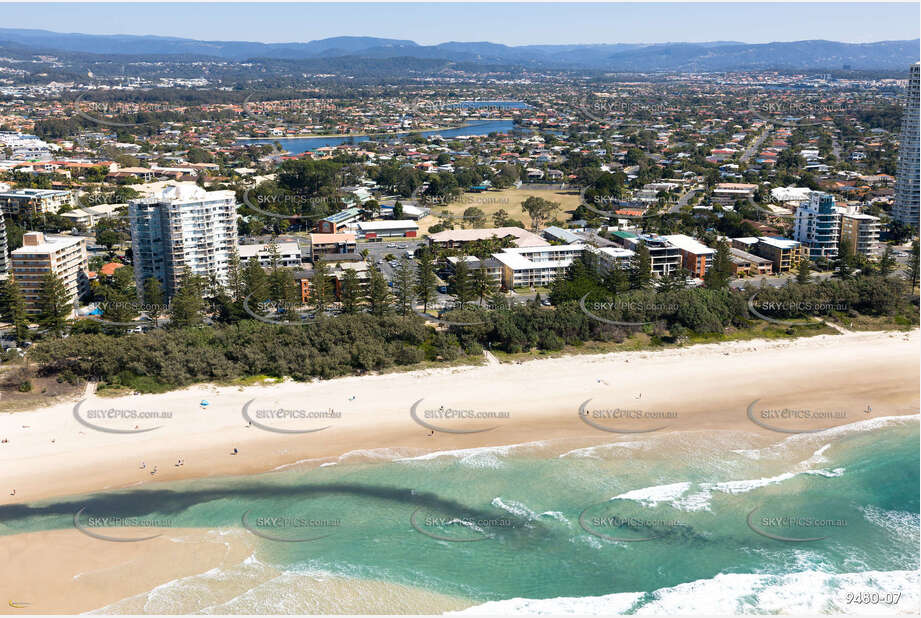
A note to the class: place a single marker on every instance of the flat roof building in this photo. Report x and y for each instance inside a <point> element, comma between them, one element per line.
<point>64,256</point>
<point>375,231</point>
<point>324,246</point>
<point>183,230</point>
<point>289,254</point>
<point>536,266</point>
<point>696,257</point>
<point>36,201</point>
<point>452,239</point>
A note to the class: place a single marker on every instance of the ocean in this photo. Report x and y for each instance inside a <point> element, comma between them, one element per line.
<point>693,522</point>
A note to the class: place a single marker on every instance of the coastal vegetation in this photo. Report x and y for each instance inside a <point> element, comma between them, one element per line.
<point>376,335</point>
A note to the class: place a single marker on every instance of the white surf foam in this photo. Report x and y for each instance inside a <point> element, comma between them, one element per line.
<point>807,592</point>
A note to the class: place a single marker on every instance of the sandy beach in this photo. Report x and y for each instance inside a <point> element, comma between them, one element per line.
<point>702,388</point>
<point>705,387</point>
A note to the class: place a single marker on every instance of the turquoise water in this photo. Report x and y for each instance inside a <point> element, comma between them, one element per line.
<point>397,516</point>
<point>297,146</point>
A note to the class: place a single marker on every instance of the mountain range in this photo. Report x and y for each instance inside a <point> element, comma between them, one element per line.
<point>712,56</point>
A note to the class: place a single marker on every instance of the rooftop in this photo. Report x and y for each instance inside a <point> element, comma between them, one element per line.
<point>691,245</point>
<point>523,238</point>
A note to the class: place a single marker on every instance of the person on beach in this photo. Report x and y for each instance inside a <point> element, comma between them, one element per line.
<point>235,451</point>
<point>12,492</point>
<point>143,465</point>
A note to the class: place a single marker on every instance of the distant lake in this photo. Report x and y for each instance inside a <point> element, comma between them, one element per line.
<point>495,104</point>
<point>299,145</point>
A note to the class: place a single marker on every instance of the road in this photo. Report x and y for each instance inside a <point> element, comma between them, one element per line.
<point>756,145</point>
<point>684,199</point>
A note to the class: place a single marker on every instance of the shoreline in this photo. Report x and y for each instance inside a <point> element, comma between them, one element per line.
<point>387,134</point>
<point>50,454</point>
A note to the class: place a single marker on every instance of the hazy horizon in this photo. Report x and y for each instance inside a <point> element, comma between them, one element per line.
<point>431,24</point>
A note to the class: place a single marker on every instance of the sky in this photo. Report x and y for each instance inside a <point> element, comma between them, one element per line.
<point>509,23</point>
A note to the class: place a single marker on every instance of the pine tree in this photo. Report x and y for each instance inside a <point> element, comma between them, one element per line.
<point>235,282</point>
<point>187,306</point>
<point>641,268</point>
<point>320,289</point>
<point>13,308</point>
<point>886,262</point>
<point>54,304</point>
<point>426,279</point>
<point>803,271</point>
<point>404,286</point>
<point>844,263</point>
<point>254,281</point>
<point>617,280</point>
<point>913,263</point>
<point>378,294</point>
<point>153,296</point>
<point>350,296</point>
<point>482,284</point>
<point>463,288</point>
<point>720,272</point>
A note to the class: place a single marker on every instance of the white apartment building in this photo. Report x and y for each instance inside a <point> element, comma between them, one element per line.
<point>64,256</point>
<point>818,225</point>
<point>609,258</point>
<point>907,182</point>
<point>861,231</point>
<point>536,266</point>
<point>289,254</point>
<point>89,216</point>
<point>184,229</point>
<point>36,201</point>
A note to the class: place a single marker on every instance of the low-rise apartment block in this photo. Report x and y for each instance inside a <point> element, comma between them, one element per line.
<point>64,256</point>
<point>860,231</point>
<point>726,194</point>
<point>749,264</point>
<point>289,254</point>
<point>664,256</point>
<point>784,254</point>
<point>36,201</point>
<point>536,266</point>
<point>696,257</point>
<point>89,216</point>
<point>324,246</point>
